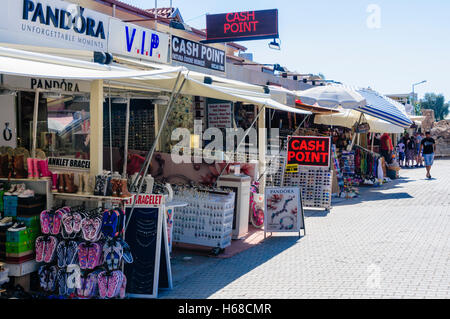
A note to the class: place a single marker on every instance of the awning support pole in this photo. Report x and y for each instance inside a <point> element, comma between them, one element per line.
<point>242,141</point>
<point>304,120</point>
<point>161,126</point>
<point>150,154</point>
<point>127,134</point>
<point>35,120</point>
<point>373,140</point>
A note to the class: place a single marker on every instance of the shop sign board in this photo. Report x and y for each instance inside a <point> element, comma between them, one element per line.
<point>308,151</point>
<point>194,53</point>
<point>53,23</point>
<point>242,26</point>
<point>147,237</point>
<point>220,115</point>
<point>134,41</point>
<point>57,85</point>
<point>68,164</point>
<point>283,210</point>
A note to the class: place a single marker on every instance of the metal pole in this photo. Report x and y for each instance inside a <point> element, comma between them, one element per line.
<point>373,140</point>
<point>354,137</point>
<point>150,154</point>
<point>127,133</point>
<point>156,141</point>
<point>35,120</point>
<point>110,129</point>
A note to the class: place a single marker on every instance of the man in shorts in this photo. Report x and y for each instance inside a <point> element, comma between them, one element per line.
<point>428,146</point>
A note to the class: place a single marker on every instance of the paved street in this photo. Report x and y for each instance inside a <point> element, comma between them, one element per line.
<point>392,242</point>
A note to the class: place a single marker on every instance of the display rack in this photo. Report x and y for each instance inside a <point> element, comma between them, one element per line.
<point>205,221</point>
<point>315,183</point>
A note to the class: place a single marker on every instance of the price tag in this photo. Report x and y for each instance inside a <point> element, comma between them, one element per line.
<point>292,168</point>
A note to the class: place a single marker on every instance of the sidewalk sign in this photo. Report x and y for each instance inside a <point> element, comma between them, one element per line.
<point>147,238</point>
<point>283,210</point>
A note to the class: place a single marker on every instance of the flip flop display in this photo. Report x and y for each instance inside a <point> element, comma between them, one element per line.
<point>83,252</point>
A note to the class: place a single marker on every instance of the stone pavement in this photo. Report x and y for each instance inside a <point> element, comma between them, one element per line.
<point>392,242</point>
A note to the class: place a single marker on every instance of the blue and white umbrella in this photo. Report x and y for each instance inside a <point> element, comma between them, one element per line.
<point>383,108</point>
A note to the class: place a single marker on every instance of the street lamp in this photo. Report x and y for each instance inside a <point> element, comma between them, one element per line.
<point>414,95</point>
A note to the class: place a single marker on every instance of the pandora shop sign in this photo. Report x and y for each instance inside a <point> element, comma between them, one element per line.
<point>53,23</point>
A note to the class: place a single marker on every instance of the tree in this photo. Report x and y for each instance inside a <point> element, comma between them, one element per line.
<point>436,102</point>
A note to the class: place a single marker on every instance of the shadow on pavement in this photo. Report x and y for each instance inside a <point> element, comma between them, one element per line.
<point>199,280</point>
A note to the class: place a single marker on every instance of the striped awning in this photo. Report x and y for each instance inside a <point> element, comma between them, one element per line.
<point>383,108</point>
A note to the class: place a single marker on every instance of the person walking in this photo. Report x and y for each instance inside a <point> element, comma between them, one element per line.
<point>401,152</point>
<point>410,151</point>
<point>419,154</point>
<point>428,147</point>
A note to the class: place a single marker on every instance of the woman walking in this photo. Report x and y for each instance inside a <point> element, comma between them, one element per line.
<point>410,151</point>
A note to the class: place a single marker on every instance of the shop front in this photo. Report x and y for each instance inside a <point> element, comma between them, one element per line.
<point>89,185</point>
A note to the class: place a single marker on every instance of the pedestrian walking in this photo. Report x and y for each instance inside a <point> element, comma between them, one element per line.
<point>410,151</point>
<point>419,139</point>
<point>401,152</point>
<point>428,147</point>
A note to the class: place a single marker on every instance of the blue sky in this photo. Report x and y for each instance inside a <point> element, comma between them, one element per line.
<point>332,37</point>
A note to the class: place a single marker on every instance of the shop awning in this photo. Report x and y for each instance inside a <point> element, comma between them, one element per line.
<point>348,118</point>
<point>383,108</point>
<point>160,77</point>
<point>24,63</point>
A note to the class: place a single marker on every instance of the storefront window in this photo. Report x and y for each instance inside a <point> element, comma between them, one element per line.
<point>63,128</point>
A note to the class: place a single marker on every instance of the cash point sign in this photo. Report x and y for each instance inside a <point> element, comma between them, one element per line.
<point>197,54</point>
<point>242,26</point>
<point>309,151</point>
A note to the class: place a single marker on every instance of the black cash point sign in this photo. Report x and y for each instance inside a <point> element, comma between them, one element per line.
<point>194,53</point>
<point>309,151</point>
<point>242,26</point>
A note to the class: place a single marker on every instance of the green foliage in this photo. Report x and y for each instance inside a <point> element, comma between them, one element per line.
<point>437,103</point>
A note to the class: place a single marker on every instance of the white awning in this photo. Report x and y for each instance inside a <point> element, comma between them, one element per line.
<point>348,118</point>
<point>22,63</point>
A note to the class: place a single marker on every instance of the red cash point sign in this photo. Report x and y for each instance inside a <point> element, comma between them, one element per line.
<point>309,151</point>
<point>242,26</point>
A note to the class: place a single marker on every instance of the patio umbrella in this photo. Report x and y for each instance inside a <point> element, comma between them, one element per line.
<point>384,108</point>
<point>333,96</point>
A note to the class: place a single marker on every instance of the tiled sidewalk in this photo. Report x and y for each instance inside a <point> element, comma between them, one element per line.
<point>392,242</point>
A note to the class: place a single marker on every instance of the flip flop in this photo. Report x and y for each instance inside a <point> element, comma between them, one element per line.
<point>61,253</point>
<point>40,243</point>
<point>45,222</point>
<point>102,284</point>
<point>76,222</point>
<point>50,249</point>
<point>114,284</point>
<point>127,256</point>
<point>107,253</point>
<point>83,256</point>
<point>123,288</point>
<point>117,255</point>
<point>61,278</point>
<point>73,278</point>
<point>57,221</point>
<point>72,253</point>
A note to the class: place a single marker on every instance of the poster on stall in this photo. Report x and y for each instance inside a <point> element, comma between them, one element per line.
<point>220,115</point>
<point>147,237</point>
<point>283,210</point>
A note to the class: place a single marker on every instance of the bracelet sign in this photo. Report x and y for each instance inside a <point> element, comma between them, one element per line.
<point>308,151</point>
<point>284,210</point>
